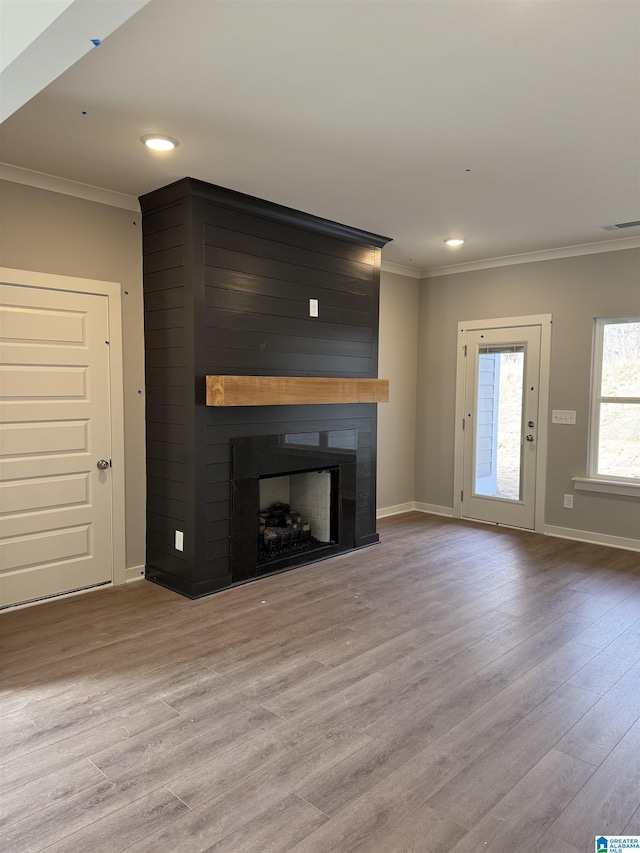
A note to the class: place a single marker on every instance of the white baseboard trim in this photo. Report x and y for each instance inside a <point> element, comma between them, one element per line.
<point>434,509</point>
<point>414,506</point>
<point>593,538</point>
<point>547,530</point>
<point>135,573</point>
<point>398,509</point>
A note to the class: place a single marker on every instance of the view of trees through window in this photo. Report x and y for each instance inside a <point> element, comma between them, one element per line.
<point>618,450</point>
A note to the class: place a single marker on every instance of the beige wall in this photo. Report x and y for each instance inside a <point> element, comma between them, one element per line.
<point>574,291</point>
<point>398,362</point>
<point>53,233</point>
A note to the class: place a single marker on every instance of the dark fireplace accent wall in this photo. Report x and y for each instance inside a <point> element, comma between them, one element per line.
<point>227,283</point>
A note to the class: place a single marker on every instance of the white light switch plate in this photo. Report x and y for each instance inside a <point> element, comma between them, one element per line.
<point>179,540</point>
<point>563,416</point>
<point>313,307</point>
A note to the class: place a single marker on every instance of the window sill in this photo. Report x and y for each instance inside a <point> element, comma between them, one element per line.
<point>611,487</point>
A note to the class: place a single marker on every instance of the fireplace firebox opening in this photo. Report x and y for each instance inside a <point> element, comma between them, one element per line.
<point>298,513</point>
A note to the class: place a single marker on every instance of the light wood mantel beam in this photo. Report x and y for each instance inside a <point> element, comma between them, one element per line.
<point>293,390</point>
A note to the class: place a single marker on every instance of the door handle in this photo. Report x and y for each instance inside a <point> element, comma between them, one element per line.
<point>102,464</point>
<point>529,438</point>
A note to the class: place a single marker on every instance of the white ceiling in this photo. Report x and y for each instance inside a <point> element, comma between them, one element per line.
<point>368,113</point>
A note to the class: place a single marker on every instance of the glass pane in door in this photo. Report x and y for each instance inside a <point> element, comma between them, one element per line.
<point>498,450</point>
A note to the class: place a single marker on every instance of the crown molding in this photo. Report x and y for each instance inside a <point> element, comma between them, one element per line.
<point>401,269</point>
<point>40,180</point>
<point>542,255</point>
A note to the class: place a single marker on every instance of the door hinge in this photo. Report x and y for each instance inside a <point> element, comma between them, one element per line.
<point>463,422</point>
<point>465,350</point>
<point>461,495</point>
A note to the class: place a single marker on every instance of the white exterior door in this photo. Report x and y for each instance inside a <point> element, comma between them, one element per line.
<point>501,408</point>
<point>55,432</point>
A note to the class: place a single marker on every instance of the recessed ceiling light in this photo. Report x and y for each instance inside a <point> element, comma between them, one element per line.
<point>159,142</point>
<point>454,241</point>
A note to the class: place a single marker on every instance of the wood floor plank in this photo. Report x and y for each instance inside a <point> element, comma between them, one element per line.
<point>57,754</point>
<point>379,824</point>
<point>601,603</point>
<point>411,650</point>
<point>339,678</point>
<point>292,741</point>
<point>608,627</point>
<point>472,692</point>
<point>228,809</point>
<point>86,821</point>
<point>606,668</point>
<point>332,790</point>
<point>255,680</point>
<point>538,618</point>
<point>538,599</point>
<point>418,831</point>
<point>548,842</point>
<point>633,827</point>
<point>48,790</point>
<point>79,709</point>
<point>18,691</point>
<point>609,799</point>
<point>470,794</point>
<point>374,703</point>
<point>605,582</point>
<point>597,733</point>
<point>14,727</point>
<point>276,830</point>
<point>530,807</point>
<point>216,727</point>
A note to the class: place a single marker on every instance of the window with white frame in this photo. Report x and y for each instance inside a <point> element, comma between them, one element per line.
<point>614,452</point>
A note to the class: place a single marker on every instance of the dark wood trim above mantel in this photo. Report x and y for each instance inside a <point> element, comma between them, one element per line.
<point>293,390</point>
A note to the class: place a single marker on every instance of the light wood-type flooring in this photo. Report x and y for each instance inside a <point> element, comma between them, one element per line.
<point>458,688</point>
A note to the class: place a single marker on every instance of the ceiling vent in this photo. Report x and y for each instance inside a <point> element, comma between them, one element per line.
<point>619,225</point>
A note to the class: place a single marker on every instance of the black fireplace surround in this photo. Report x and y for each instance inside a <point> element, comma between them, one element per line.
<point>262,456</point>
<point>227,284</point>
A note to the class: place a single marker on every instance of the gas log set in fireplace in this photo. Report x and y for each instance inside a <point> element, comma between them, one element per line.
<point>282,529</point>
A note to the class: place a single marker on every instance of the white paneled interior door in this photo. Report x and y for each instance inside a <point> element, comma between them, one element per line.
<point>55,437</point>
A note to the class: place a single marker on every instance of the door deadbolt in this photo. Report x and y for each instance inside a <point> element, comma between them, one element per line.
<point>102,464</point>
<point>531,424</point>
